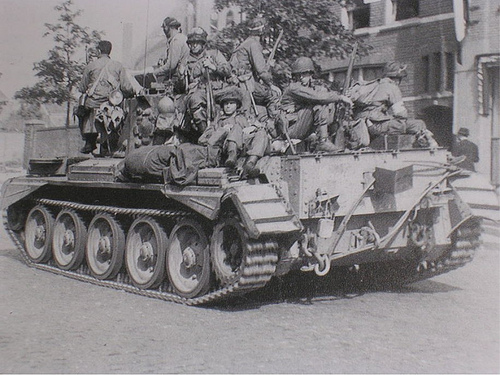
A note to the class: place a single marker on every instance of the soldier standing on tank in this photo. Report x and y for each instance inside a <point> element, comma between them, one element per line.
<point>251,72</point>
<point>380,104</point>
<point>306,108</point>
<point>101,77</point>
<point>206,71</point>
<point>234,135</point>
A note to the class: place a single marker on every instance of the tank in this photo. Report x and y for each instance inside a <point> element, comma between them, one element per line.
<point>390,211</point>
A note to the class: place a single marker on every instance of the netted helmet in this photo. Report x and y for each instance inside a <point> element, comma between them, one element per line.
<point>230,93</point>
<point>197,34</point>
<point>302,65</point>
<point>256,26</point>
<point>395,70</point>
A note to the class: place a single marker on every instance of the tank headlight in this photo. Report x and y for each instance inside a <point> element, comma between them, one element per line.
<point>116,97</point>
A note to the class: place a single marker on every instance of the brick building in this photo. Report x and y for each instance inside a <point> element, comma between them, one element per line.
<point>452,51</point>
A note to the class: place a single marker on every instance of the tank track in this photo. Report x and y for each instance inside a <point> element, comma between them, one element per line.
<point>258,265</point>
<point>465,242</point>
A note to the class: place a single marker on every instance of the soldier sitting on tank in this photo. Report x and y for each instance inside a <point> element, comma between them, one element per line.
<point>380,104</point>
<point>308,109</point>
<point>100,78</point>
<point>234,135</point>
<point>251,72</point>
<point>204,74</point>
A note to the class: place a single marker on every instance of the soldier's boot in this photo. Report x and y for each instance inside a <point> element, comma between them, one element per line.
<point>232,155</point>
<point>250,169</point>
<point>90,143</point>
<point>326,145</point>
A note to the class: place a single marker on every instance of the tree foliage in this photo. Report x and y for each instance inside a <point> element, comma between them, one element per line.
<point>310,28</point>
<point>60,72</point>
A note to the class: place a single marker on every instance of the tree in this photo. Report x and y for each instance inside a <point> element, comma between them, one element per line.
<point>310,28</point>
<point>61,71</point>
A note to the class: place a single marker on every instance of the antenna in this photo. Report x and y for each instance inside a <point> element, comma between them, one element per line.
<point>146,46</point>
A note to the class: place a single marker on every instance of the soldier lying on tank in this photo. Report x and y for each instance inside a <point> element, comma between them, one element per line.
<point>179,164</point>
<point>234,135</point>
<point>380,104</point>
<point>205,72</point>
<point>307,108</point>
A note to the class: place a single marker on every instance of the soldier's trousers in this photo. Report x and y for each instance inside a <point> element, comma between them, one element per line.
<point>397,126</point>
<point>306,120</point>
<point>253,144</point>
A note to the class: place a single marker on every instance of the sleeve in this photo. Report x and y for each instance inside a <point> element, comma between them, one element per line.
<point>259,63</point>
<point>476,154</point>
<point>126,85</point>
<point>395,102</point>
<point>308,95</point>
<point>223,66</point>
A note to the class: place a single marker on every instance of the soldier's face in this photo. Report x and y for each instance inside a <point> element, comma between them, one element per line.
<point>305,78</point>
<point>230,107</point>
<point>166,31</point>
<point>196,47</point>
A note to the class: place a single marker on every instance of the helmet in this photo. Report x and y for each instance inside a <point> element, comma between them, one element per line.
<point>166,105</point>
<point>197,34</point>
<point>256,26</point>
<point>302,64</point>
<point>395,70</point>
<point>230,93</point>
<point>170,22</point>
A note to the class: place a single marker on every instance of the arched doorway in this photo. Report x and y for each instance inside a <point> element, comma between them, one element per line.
<point>439,120</point>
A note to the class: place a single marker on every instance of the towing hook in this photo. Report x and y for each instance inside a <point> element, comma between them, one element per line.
<point>323,266</point>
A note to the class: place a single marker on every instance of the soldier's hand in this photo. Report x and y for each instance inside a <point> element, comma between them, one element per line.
<point>208,63</point>
<point>346,99</point>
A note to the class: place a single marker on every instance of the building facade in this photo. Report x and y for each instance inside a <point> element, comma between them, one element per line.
<point>451,48</point>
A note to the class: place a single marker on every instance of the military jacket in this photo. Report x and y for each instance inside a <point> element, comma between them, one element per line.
<point>248,58</point>
<point>196,71</point>
<point>378,100</point>
<point>176,56</point>
<point>114,77</point>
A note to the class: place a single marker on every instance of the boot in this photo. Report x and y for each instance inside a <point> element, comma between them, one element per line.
<point>326,145</point>
<point>249,169</point>
<point>90,143</point>
<point>232,155</point>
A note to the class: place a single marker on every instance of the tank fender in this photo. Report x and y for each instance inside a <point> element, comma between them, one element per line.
<point>263,210</point>
<point>15,189</point>
<point>202,200</point>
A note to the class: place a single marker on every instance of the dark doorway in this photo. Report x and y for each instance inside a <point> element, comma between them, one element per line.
<point>439,120</point>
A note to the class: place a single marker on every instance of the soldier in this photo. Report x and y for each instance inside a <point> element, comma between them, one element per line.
<point>203,65</point>
<point>380,104</point>
<point>306,108</point>
<point>250,69</point>
<point>175,56</point>
<point>100,78</point>
<point>233,134</point>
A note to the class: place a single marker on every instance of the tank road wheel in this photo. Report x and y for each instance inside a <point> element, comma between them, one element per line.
<point>227,246</point>
<point>145,253</point>
<point>68,240</point>
<point>105,244</point>
<point>188,260</point>
<point>38,234</point>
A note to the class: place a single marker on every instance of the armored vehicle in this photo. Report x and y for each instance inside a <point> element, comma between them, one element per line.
<point>390,208</point>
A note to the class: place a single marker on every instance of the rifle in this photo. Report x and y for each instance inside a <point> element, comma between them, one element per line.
<point>341,108</point>
<point>275,47</point>
<point>210,99</point>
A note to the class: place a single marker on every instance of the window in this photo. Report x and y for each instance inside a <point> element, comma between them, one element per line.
<point>404,9</point>
<point>359,15</point>
<point>367,73</point>
<point>439,72</point>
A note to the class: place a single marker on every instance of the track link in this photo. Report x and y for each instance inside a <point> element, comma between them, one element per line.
<point>258,266</point>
